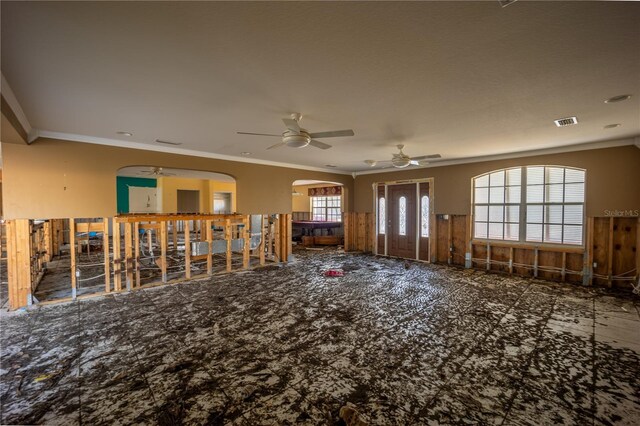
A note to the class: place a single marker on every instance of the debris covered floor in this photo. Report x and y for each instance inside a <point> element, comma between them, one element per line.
<point>406,343</point>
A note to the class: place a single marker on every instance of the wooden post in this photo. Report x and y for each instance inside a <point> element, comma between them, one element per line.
<point>128,256</point>
<point>469,245</point>
<point>163,249</point>
<point>610,254</point>
<point>262,242</point>
<point>227,237</point>
<point>117,265</point>
<point>107,258</point>
<point>347,232</point>
<point>48,241</point>
<point>136,251</point>
<point>72,251</point>
<point>209,236</point>
<point>247,241</point>
<point>288,228</point>
<point>187,249</point>
<point>18,263</point>
<point>535,262</point>
<point>564,266</point>
<point>150,240</point>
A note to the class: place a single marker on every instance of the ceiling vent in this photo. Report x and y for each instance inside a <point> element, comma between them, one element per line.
<point>564,122</point>
<point>168,142</point>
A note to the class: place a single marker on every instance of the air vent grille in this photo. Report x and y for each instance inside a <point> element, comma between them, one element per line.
<point>563,122</point>
<point>168,142</point>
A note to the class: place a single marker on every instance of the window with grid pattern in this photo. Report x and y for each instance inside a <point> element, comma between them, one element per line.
<point>535,204</point>
<point>555,205</point>
<point>497,199</point>
<point>326,209</point>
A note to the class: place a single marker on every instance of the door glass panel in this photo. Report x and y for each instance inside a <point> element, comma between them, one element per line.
<point>402,216</point>
<point>381,215</point>
<point>424,216</point>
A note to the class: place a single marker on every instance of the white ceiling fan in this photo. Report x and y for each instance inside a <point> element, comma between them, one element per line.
<point>297,137</point>
<point>402,160</point>
<point>156,171</point>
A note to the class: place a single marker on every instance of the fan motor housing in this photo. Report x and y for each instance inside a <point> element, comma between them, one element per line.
<point>296,140</point>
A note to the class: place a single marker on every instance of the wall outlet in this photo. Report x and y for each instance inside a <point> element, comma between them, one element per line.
<point>595,265</point>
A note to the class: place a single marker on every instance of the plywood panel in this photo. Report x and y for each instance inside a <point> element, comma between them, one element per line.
<point>523,256</point>
<point>574,266</point>
<point>458,238</point>
<point>500,254</point>
<point>624,249</point>
<point>600,249</point>
<point>547,259</point>
<point>442,238</point>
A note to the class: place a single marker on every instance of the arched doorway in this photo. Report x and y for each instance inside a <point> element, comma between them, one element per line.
<point>317,213</point>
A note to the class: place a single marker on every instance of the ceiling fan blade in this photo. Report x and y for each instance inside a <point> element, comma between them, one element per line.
<point>332,134</point>
<point>278,145</point>
<point>291,124</point>
<point>257,134</point>
<point>426,157</point>
<point>319,144</point>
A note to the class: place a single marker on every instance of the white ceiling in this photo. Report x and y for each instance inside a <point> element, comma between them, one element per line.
<point>144,171</point>
<point>462,79</point>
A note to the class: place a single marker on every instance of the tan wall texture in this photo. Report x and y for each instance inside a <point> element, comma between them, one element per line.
<point>613,180</point>
<point>168,189</point>
<point>302,203</point>
<point>56,179</point>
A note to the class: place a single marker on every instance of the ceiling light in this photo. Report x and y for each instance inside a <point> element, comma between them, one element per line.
<point>245,153</point>
<point>567,121</point>
<point>612,126</point>
<point>618,98</point>
<point>168,142</point>
<point>125,133</point>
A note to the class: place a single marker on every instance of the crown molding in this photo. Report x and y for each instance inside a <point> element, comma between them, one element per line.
<point>180,151</point>
<point>545,151</point>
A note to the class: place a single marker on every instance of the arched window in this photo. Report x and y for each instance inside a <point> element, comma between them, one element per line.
<point>402,216</point>
<point>535,204</point>
<point>424,216</point>
<point>381,215</point>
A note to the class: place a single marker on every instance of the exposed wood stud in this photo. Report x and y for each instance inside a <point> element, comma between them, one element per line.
<point>136,252</point>
<point>510,260</point>
<point>246,234</point>
<point>488,257</point>
<point>564,266</point>
<point>535,262</point>
<point>106,251</point>
<point>117,278</point>
<point>209,236</point>
<point>163,250</point>
<point>72,251</point>
<point>187,249</point>
<point>261,247</point>
<point>128,256</point>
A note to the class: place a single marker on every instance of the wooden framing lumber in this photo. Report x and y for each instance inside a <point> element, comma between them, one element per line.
<point>72,251</point>
<point>187,249</point>
<point>246,234</point>
<point>163,250</point>
<point>209,236</point>
<point>136,252</point>
<point>107,257</point>
<point>128,256</point>
<point>261,247</point>
<point>117,265</point>
<point>610,254</point>
<point>227,237</point>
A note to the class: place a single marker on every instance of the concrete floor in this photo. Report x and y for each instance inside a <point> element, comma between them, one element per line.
<point>407,343</point>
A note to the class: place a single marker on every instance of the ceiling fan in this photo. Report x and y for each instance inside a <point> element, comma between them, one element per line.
<point>297,137</point>
<point>402,160</point>
<point>156,171</point>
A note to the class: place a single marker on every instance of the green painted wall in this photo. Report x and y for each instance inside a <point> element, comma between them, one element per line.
<point>123,183</point>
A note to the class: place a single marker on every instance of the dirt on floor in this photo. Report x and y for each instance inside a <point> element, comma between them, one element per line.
<point>404,342</point>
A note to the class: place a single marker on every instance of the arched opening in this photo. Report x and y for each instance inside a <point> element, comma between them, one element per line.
<point>317,213</point>
<point>152,189</point>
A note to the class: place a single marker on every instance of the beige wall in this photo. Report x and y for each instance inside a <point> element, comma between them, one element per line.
<point>613,180</point>
<point>56,179</point>
<point>302,203</point>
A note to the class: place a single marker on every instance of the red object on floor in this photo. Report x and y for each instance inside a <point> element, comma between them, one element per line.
<point>334,273</point>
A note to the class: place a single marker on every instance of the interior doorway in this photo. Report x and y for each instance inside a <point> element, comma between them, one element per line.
<point>188,201</point>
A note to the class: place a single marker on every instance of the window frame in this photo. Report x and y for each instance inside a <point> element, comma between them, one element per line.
<point>524,204</point>
<point>324,214</point>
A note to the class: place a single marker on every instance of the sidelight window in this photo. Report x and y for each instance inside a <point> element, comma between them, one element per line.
<point>424,216</point>
<point>381,215</point>
<point>402,216</point>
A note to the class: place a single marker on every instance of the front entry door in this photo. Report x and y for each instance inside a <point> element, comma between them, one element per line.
<point>401,222</point>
